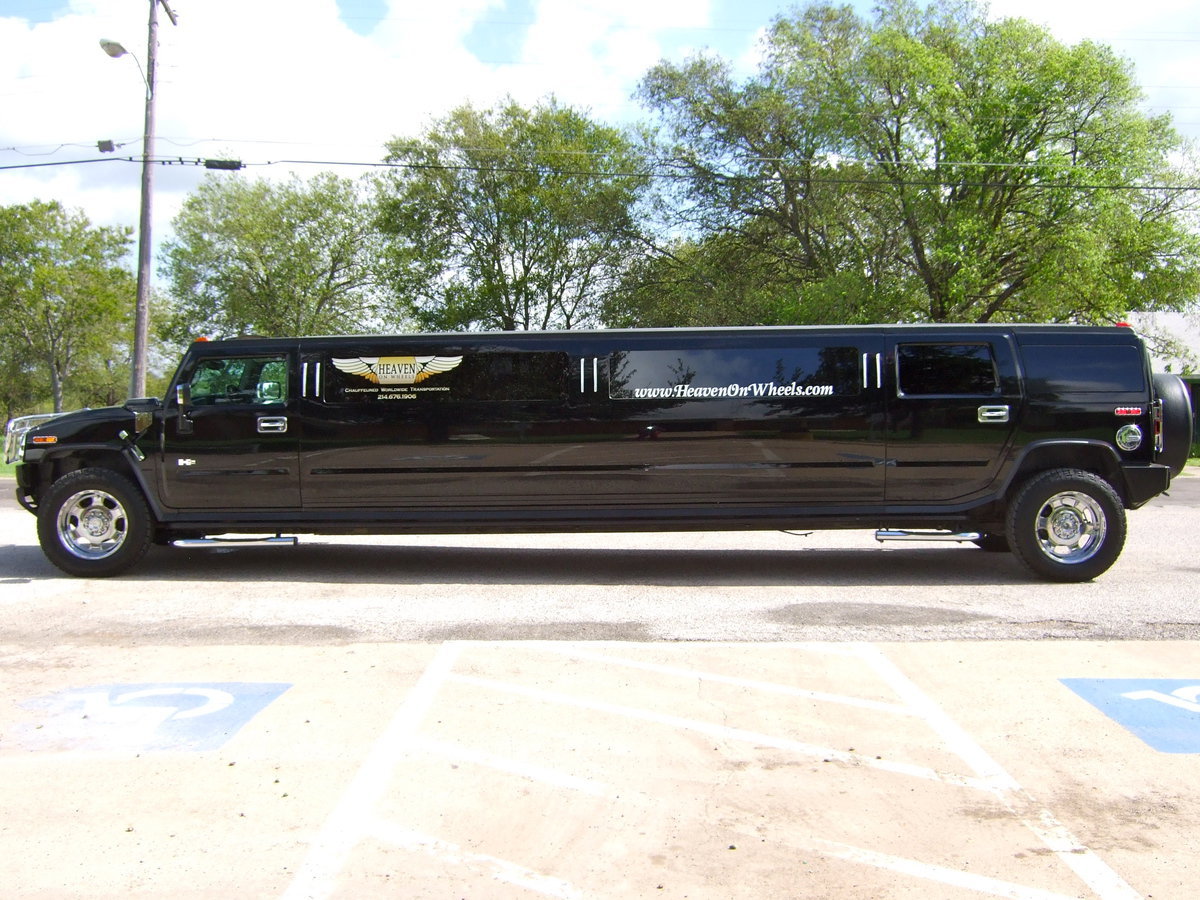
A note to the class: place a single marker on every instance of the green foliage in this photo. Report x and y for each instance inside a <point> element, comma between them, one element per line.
<point>930,165</point>
<point>254,257</point>
<point>924,164</point>
<point>66,304</point>
<point>509,218</point>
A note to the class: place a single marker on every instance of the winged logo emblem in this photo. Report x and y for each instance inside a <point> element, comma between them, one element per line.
<point>396,369</point>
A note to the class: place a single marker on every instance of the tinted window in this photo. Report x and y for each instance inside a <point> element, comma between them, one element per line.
<point>446,375</point>
<point>752,373</point>
<point>1067,368</point>
<point>946,369</point>
<point>243,379</point>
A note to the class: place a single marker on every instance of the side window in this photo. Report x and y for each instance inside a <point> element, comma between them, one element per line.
<point>240,379</point>
<point>748,373</point>
<point>451,375</point>
<point>946,369</point>
<point>513,376</point>
<point>1055,369</point>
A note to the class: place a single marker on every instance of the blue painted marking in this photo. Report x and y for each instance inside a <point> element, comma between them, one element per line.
<point>154,716</point>
<point>1165,713</point>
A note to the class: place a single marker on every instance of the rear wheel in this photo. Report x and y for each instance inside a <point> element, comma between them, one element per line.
<point>94,522</point>
<point>1067,525</point>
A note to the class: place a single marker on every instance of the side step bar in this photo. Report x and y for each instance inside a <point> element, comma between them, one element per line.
<point>277,541</point>
<point>896,534</point>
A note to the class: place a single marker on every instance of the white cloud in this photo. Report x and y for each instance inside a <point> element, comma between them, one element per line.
<point>264,80</point>
<point>288,79</point>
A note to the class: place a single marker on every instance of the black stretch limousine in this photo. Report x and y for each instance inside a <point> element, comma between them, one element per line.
<point>1033,439</point>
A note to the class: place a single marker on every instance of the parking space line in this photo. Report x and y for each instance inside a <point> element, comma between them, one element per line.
<point>343,830</point>
<point>695,675</point>
<point>500,869</point>
<point>513,767</point>
<point>723,732</point>
<point>1094,872</point>
<point>951,733</point>
<point>354,818</point>
<point>981,884</point>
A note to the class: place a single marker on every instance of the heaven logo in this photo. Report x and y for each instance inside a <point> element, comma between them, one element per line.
<point>397,369</point>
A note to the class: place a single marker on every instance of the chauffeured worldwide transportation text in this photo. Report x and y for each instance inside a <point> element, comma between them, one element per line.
<point>1026,438</point>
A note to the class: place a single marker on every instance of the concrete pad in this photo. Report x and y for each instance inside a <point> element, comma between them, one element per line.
<point>566,769</point>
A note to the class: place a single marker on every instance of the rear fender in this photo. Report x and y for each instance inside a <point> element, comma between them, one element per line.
<point>1091,456</point>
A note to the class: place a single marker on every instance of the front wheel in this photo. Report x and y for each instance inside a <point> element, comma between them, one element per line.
<point>1067,525</point>
<point>94,522</point>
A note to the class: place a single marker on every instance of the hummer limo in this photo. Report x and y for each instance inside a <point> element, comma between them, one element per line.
<point>1028,438</point>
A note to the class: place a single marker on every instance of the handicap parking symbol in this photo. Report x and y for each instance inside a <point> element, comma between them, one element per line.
<point>1165,713</point>
<point>137,717</point>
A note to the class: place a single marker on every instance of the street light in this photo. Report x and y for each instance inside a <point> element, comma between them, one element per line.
<point>141,317</point>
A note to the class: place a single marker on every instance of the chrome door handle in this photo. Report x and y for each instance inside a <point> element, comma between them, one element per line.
<point>993,414</point>
<point>272,424</point>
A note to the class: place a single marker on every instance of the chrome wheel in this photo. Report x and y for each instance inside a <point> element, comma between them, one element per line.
<point>92,524</point>
<point>1071,527</point>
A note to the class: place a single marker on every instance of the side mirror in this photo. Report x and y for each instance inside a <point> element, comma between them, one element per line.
<point>183,398</point>
<point>270,391</point>
<point>143,410</point>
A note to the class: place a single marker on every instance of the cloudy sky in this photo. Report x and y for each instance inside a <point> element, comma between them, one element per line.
<point>274,80</point>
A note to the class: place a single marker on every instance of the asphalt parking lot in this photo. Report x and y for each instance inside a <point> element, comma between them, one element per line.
<point>197,729</point>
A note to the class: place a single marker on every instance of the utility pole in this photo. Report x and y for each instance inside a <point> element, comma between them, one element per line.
<point>141,316</point>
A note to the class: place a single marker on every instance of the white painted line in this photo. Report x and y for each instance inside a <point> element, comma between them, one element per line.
<point>500,869</point>
<point>695,675</point>
<point>1094,872</point>
<point>951,733</point>
<point>981,884</point>
<point>513,767</point>
<point>549,457</point>
<point>343,830</point>
<point>766,451</point>
<point>722,732</point>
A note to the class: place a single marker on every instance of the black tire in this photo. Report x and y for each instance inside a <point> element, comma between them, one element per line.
<point>1066,525</point>
<point>94,523</point>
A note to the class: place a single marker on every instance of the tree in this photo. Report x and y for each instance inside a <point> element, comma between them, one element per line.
<point>253,257</point>
<point>932,165</point>
<point>65,297</point>
<point>18,380</point>
<point>509,218</point>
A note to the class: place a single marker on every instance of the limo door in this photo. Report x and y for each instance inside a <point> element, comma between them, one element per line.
<point>951,409</point>
<point>425,429</point>
<point>235,442</point>
<point>786,421</point>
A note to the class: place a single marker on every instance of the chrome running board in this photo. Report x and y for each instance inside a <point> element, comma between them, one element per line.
<point>896,534</point>
<point>277,541</point>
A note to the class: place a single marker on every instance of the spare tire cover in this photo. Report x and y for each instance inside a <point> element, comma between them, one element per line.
<point>1177,420</point>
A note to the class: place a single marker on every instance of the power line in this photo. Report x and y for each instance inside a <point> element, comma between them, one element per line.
<point>859,181</point>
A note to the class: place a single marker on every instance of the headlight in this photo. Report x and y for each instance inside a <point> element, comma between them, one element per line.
<point>14,435</point>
